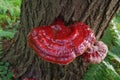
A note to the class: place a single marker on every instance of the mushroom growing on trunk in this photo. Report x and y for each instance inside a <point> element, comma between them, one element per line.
<point>96,53</point>
<point>61,44</point>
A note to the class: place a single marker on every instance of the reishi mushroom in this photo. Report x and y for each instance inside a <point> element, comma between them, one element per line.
<point>96,53</point>
<point>61,44</point>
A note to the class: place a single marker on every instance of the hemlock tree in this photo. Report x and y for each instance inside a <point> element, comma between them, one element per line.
<point>95,13</point>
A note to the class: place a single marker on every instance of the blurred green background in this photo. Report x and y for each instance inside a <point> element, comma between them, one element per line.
<point>9,22</point>
<point>109,69</point>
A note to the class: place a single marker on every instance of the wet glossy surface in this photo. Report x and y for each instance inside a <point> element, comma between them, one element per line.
<point>61,44</point>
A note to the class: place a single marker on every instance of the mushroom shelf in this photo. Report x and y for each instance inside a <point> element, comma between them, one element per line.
<point>61,44</point>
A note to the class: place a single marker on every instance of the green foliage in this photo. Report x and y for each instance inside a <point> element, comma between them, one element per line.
<point>117,18</point>
<point>108,37</point>
<point>9,11</point>
<point>5,74</point>
<point>102,71</point>
<point>6,34</point>
<point>9,20</point>
<point>110,68</point>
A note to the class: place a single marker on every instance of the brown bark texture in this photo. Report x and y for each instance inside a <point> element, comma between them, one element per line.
<point>95,13</point>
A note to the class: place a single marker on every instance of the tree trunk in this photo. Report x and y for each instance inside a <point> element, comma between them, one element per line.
<point>25,63</point>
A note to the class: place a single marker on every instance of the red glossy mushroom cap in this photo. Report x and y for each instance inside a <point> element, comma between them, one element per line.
<point>60,44</point>
<point>96,53</point>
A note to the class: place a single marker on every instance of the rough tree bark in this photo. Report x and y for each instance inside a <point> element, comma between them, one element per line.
<point>96,13</point>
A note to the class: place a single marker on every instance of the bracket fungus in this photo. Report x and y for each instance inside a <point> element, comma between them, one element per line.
<point>96,53</point>
<point>61,44</point>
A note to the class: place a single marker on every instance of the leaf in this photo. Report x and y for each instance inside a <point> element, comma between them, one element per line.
<point>110,67</point>
<point>117,18</point>
<point>6,34</point>
<point>114,56</point>
<point>102,71</point>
